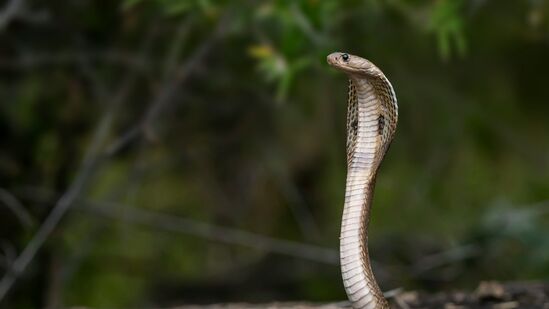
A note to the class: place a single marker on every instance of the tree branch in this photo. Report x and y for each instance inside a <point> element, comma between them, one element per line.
<point>90,163</point>
<point>211,232</point>
<point>172,223</point>
<point>173,82</point>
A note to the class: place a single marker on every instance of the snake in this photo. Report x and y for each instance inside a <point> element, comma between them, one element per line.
<point>372,114</point>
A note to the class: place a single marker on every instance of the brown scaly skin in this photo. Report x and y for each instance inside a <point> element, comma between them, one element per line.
<point>371,124</point>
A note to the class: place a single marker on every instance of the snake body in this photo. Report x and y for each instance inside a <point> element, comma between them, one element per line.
<point>371,124</point>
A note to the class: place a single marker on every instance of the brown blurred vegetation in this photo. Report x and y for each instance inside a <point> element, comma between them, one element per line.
<point>157,153</point>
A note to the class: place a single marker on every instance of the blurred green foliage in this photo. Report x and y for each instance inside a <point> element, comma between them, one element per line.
<point>250,135</point>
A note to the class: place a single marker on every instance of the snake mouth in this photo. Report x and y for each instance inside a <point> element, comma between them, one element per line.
<point>335,59</point>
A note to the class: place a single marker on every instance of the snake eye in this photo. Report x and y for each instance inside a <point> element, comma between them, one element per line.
<point>345,57</point>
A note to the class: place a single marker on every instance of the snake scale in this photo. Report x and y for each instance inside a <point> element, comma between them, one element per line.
<point>371,124</point>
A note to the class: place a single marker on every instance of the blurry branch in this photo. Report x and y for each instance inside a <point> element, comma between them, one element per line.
<point>183,71</point>
<point>91,162</point>
<point>124,139</point>
<point>172,83</point>
<point>16,207</point>
<point>160,221</point>
<point>32,60</point>
<point>73,261</point>
<point>177,44</point>
<point>504,220</point>
<point>298,206</point>
<point>63,204</point>
<point>172,223</point>
<point>447,257</point>
<point>94,154</point>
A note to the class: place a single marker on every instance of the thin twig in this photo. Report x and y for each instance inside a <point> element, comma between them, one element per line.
<point>445,257</point>
<point>83,177</point>
<point>297,204</point>
<point>61,207</point>
<point>94,155</point>
<point>172,223</point>
<point>173,52</point>
<point>183,71</point>
<point>112,57</point>
<point>227,235</point>
<point>92,159</point>
<point>73,261</point>
<point>173,82</point>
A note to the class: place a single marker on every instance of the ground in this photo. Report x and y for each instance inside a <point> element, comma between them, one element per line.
<point>489,294</point>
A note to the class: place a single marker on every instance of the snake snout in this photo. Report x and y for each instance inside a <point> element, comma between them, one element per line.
<point>333,58</point>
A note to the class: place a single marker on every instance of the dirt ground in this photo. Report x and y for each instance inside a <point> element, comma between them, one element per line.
<point>489,294</point>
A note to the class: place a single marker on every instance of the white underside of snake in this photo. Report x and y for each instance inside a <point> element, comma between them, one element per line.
<point>371,123</point>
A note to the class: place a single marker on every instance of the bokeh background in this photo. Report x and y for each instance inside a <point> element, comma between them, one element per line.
<point>160,153</point>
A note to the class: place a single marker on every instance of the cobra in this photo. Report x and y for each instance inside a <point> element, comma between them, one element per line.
<point>371,124</point>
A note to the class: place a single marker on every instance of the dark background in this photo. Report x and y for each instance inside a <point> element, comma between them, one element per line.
<point>158,153</point>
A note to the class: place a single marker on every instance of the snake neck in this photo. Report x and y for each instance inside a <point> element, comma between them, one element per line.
<point>371,122</point>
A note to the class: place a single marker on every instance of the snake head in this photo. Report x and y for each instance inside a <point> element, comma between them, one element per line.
<point>351,64</point>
